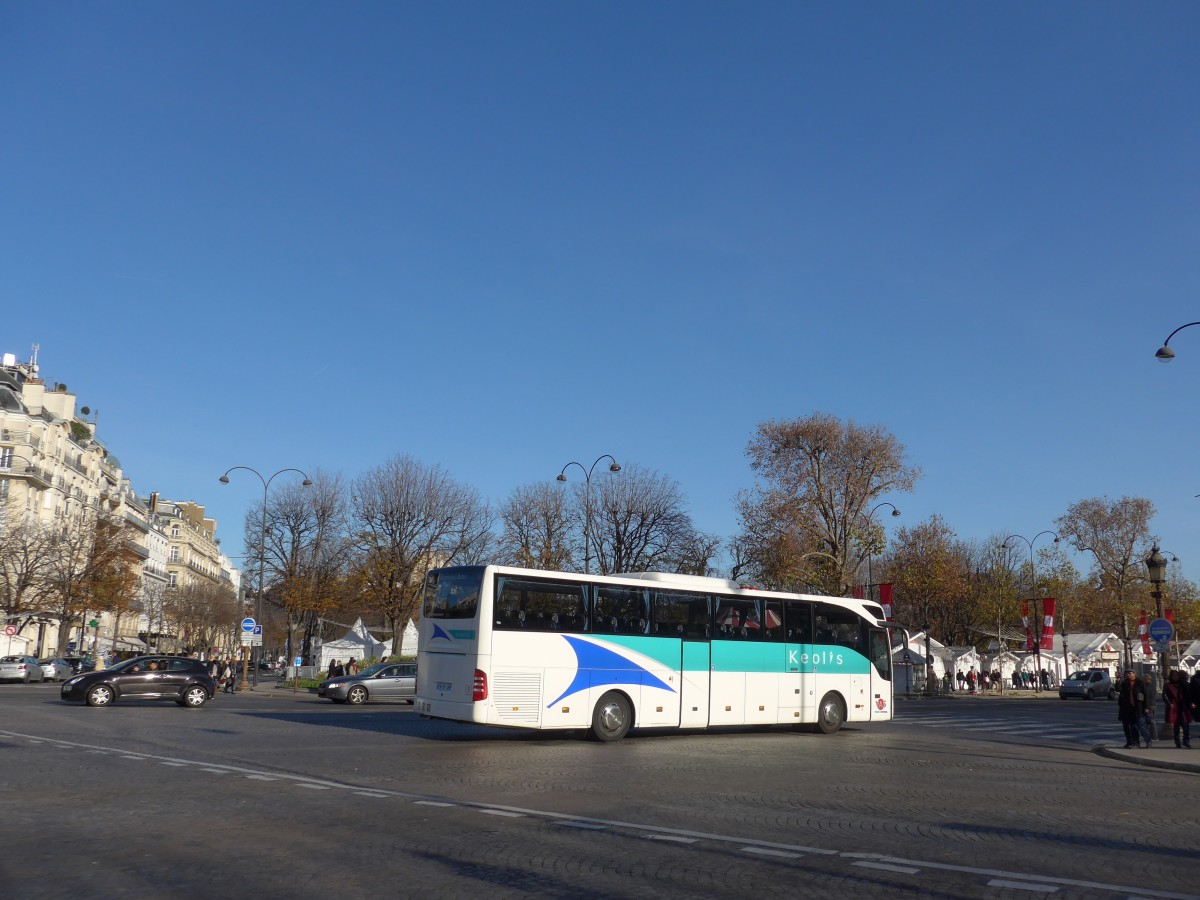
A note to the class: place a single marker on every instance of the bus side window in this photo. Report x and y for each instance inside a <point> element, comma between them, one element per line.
<point>679,614</point>
<point>840,626</point>
<point>541,605</point>
<point>773,621</point>
<point>619,610</point>
<point>737,620</point>
<point>798,620</point>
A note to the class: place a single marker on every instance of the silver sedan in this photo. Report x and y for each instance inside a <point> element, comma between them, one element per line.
<point>20,668</point>
<point>384,681</point>
<point>56,669</point>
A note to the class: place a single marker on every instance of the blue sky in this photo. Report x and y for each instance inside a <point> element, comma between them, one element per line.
<point>501,237</point>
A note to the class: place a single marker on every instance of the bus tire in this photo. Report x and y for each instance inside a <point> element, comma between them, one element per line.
<point>612,718</point>
<point>830,714</point>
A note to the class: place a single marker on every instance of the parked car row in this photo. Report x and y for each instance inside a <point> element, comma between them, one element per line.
<point>21,668</point>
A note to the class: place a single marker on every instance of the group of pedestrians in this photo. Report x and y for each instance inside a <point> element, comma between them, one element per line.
<point>1135,708</point>
<point>225,673</point>
<point>971,681</point>
<point>337,670</point>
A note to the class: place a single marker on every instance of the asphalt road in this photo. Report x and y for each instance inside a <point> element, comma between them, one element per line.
<point>282,795</point>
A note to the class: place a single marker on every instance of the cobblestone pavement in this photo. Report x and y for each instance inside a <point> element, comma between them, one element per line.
<point>287,796</point>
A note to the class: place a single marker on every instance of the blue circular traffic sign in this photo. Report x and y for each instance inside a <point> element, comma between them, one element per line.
<point>1161,631</point>
<point>248,625</point>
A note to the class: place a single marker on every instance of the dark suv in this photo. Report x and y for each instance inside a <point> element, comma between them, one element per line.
<point>186,681</point>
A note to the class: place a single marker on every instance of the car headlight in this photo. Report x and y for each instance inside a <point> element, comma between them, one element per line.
<point>71,681</point>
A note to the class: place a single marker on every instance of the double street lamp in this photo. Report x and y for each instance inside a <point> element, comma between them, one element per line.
<point>1037,637</point>
<point>587,501</point>
<point>262,558</point>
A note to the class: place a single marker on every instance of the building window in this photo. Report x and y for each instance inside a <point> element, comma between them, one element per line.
<point>6,457</point>
<point>174,531</point>
<point>171,576</point>
<point>174,557</point>
<point>4,489</point>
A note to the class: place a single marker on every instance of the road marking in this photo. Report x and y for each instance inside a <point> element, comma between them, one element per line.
<point>587,825</point>
<point>503,812</point>
<point>371,794</point>
<point>215,771</point>
<point>261,778</point>
<point>887,867</point>
<point>659,831</point>
<point>674,838</point>
<point>767,851</point>
<point>312,787</point>
<point>1023,886</point>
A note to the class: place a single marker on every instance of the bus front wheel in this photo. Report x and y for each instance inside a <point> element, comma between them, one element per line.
<point>830,714</point>
<point>612,718</point>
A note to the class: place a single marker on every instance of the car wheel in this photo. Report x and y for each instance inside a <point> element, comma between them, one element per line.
<point>830,714</point>
<point>612,718</point>
<point>357,694</point>
<point>194,696</point>
<point>100,695</point>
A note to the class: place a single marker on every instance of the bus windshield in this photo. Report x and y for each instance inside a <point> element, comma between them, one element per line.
<point>453,593</point>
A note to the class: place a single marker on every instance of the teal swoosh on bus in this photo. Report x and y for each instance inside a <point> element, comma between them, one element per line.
<point>743,656</point>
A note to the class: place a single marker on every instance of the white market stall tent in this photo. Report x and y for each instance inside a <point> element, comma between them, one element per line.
<point>359,644</point>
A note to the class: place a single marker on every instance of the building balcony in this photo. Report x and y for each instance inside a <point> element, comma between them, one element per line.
<point>137,549</point>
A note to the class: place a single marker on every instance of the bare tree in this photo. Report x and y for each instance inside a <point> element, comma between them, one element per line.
<point>535,528</point>
<point>307,551</point>
<point>26,561</point>
<point>205,615</point>
<point>931,571</point>
<point>1117,534</point>
<point>805,523</point>
<point>407,518</point>
<point>639,523</point>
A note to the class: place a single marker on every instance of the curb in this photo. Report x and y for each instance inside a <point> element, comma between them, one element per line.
<point>1122,755</point>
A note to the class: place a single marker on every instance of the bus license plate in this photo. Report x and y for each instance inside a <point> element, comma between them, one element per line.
<point>444,686</point>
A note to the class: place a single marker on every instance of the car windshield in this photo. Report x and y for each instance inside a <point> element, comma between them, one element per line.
<point>1079,676</point>
<point>375,669</point>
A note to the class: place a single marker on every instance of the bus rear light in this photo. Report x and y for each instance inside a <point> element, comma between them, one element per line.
<point>480,690</point>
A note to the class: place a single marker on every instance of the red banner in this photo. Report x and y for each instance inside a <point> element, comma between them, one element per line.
<point>1144,633</point>
<point>1048,623</point>
<point>858,592</point>
<point>1025,622</point>
<point>885,599</point>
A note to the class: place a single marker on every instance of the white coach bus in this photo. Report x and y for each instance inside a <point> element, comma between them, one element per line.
<point>557,650</point>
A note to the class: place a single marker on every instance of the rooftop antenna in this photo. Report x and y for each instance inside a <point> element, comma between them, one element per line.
<point>33,359</point>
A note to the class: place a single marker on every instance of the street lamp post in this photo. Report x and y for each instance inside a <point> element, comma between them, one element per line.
<point>1156,565</point>
<point>1165,353</point>
<point>262,557</point>
<point>587,501</point>
<point>870,541</point>
<point>1037,681</point>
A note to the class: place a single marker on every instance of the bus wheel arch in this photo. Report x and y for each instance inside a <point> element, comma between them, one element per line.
<point>612,718</point>
<point>831,713</point>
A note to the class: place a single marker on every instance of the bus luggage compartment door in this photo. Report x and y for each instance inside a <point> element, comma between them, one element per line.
<point>694,684</point>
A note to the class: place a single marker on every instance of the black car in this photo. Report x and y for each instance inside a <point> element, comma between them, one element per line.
<point>186,681</point>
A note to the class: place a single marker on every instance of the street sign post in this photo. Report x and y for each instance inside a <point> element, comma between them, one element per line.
<point>248,624</point>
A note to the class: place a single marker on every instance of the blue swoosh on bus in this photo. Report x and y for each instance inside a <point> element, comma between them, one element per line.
<point>438,633</point>
<point>598,666</point>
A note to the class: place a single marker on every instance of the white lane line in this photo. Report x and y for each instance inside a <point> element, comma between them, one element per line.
<point>261,778</point>
<point>177,765</point>
<point>767,851</point>
<point>887,867</point>
<point>1023,886</point>
<point>503,812</point>
<point>215,771</point>
<point>311,787</point>
<point>431,803</point>
<point>371,794</point>
<point>673,838</point>
<point>587,825</point>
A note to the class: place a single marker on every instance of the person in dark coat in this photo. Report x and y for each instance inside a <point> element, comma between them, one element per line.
<point>1177,696</point>
<point>1132,709</point>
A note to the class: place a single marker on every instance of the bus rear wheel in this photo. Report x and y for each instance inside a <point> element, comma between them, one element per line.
<point>830,714</point>
<point>612,718</point>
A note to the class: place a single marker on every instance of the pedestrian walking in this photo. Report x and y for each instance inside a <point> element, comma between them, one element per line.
<point>1177,697</point>
<point>971,680</point>
<point>227,677</point>
<point>1132,710</point>
<point>335,669</point>
<point>961,678</point>
<point>352,667</point>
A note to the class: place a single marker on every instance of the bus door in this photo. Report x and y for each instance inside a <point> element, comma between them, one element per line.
<point>687,617</point>
<point>796,701</point>
<point>879,648</point>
